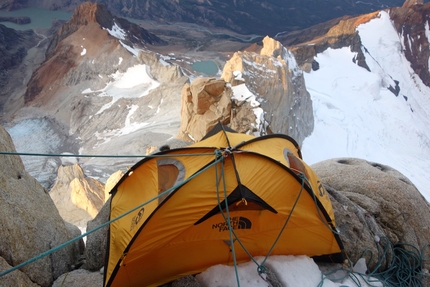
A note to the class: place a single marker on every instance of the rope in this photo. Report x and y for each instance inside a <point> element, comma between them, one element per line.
<point>98,155</point>
<point>228,213</point>
<point>260,267</point>
<point>50,251</point>
<point>403,267</point>
<point>286,222</point>
<point>398,265</point>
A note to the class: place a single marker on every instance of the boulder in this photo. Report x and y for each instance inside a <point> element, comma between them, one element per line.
<point>374,201</point>
<point>30,223</point>
<point>15,278</point>
<point>79,278</point>
<point>95,251</point>
<point>78,198</point>
<point>204,103</point>
<point>79,245</point>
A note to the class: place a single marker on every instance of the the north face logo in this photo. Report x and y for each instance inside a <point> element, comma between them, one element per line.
<point>235,222</point>
<point>135,220</point>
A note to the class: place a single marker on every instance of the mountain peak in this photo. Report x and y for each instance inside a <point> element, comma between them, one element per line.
<point>91,12</point>
<point>409,3</point>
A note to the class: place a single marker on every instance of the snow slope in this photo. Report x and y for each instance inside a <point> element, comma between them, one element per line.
<point>357,116</point>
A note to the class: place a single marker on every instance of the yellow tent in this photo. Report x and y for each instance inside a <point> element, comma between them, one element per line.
<point>218,201</point>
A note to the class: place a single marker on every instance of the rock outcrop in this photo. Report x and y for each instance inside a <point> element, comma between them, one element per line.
<point>204,103</point>
<point>258,93</point>
<point>30,225</point>
<point>88,12</point>
<point>13,49</point>
<point>409,3</point>
<point>77,197</point>
<point>335,34</point>
<point>371,201</point>
<point>91,29</point>
<point>411,22</point>
<point>274,77</point>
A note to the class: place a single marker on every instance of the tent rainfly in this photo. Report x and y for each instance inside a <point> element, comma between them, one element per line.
<point>222,200</point>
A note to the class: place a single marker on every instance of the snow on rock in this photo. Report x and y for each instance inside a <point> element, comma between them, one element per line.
<point>117,32</point>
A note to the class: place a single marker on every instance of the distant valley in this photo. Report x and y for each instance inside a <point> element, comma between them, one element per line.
<point>240,16</point>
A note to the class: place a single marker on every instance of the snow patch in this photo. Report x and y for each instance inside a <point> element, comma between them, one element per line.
<point>242,93</point>
<point>84,51</point>
<point>117,32</point>
<point>136,82</point>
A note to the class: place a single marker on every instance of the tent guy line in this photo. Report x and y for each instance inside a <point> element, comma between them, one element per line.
<point>50,251</point>
<point>262,178</point>
<point>95,155</point>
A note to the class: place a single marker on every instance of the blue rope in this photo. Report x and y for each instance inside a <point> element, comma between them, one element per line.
<point>228,220</point>
<point>285,224</point>
<point>403,267</point>
<point>46,253</point>
<point>260,267</point>
<point>98,155</point>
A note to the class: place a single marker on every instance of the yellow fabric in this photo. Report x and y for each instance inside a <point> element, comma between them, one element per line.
<point>170,244</point>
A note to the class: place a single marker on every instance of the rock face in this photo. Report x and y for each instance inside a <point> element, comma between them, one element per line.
<point>95,251</point>
<point>88,29</point>
<point>372,199</point>
<point>30,224</point>
<point>273,76</point>
<point>16,278</point>
<point>13,49</point>
<point>74,89</point>
<point>337,33</point>
<point>14,45</point>
<point>204,103</point>
<point>409,3</point>
<point>77,197</point>
<point>88,13</point>
<point>410,21</point>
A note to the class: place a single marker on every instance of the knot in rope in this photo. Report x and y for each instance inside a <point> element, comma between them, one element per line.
<point>261,269</point>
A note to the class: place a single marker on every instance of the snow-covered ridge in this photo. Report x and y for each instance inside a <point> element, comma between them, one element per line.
<point>356,115</point>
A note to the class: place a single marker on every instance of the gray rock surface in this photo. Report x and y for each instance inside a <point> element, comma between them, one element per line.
<point>29,221</point>
<point>15,278</point>
<point>79,278</point>
<point>95,251</point>
<point>374,201</point>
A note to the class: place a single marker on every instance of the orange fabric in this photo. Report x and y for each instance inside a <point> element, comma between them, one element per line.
<point>169,243</point>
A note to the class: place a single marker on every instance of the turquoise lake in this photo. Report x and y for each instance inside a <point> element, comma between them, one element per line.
<point>40,18</point>
<point>206,67</point>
